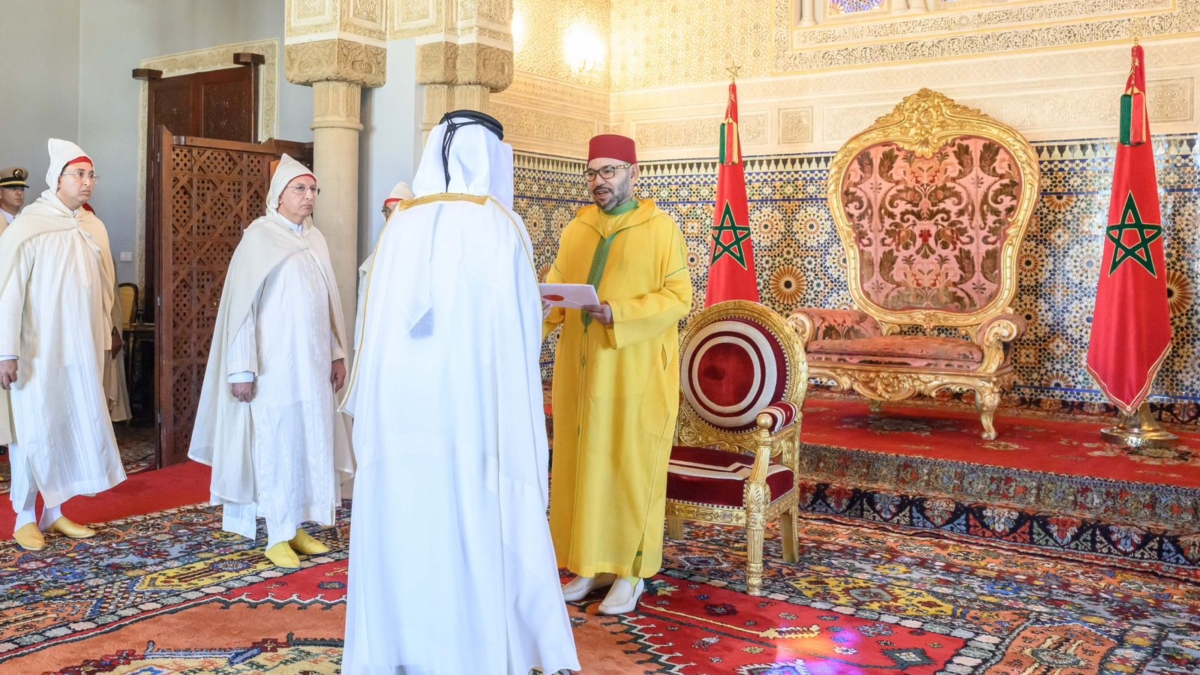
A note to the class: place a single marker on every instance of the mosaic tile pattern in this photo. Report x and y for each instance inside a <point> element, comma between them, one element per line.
<point>801,261</point>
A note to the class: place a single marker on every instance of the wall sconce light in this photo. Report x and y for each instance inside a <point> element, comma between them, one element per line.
<point>583,49</point>
<point>518,31</point>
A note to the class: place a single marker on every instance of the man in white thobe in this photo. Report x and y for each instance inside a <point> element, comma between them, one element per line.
<point>399,194</point>
<point>267,422</point>
<point>57,284</point>
<point>452,570</point>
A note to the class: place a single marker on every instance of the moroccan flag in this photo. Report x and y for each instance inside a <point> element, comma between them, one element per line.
<point>731,263</point>
<point>1131,324</point>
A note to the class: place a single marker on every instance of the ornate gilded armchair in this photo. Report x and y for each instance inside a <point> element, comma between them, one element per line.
<point>743,376</point>
<point>931,204</point>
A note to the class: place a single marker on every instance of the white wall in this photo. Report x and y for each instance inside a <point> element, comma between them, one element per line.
<point>390,145</point>
<point>115,35</point>
<point>39,86</point>
<point>74,82</point>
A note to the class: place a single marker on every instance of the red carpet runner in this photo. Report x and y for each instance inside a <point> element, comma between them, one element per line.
<point>141,493</point>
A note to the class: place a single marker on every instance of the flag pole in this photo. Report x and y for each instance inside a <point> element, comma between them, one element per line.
<point>1139,430</point>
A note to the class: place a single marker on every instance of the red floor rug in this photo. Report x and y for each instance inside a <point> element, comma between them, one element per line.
<point>169,594</point>
<point>1044,443</point>
<point>1046,481</point>
<point>145,492</point>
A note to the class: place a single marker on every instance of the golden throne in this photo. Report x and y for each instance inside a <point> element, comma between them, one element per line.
<point>931,203</point>
<point>736,458</point>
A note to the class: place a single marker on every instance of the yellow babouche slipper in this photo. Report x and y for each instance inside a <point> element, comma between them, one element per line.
<point>29,537</point>
<point>283,556</point>
<point>69,528</point>
<point>304,543</point>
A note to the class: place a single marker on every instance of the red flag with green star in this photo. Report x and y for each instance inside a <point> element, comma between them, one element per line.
<point>1131,324</point>
<point>731,261</point>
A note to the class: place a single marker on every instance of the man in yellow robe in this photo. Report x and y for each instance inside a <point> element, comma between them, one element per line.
<point>616,382</point>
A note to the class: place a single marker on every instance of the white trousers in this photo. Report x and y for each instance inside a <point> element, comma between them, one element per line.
<point>23,492</point>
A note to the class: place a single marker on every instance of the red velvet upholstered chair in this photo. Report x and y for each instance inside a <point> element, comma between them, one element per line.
<point>743,377</point>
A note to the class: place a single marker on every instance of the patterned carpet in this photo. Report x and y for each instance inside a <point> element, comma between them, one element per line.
<point>169,594</point>
<point>1046,481</point>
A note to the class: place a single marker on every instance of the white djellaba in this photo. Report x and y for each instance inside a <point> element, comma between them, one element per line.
<point>452,570</point>
<point>283,455</point>
<point>57,290</point>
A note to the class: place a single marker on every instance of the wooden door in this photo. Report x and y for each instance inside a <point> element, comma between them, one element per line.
<point>212,189</point>
<point>218,104</point>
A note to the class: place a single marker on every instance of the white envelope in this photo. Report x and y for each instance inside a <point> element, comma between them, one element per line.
<point>570,296</point>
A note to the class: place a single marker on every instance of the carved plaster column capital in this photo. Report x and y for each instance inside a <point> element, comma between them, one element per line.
<point>336,59</point>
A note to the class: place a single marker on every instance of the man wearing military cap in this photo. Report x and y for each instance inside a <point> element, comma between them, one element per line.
<point>12,193</point>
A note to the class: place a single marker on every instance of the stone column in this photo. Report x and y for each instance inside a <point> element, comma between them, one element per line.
<point>336,130</point>
<point>907,6</point>
<point>808,12</point>
<point>337,47</point>
<point>468,60</point>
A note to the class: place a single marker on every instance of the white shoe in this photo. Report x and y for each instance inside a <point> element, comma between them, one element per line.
<point>579,587</point>
<point>622,598</point>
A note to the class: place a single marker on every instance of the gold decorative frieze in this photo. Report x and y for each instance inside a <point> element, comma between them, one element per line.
<point>541,130</point>
<point>985,30</point>
<point>795,125</point>
<point>568,95</point>
<point>981,18</point>
<point>437,63</point>
<point>482,64</point>
<point>414,18</point>
<point>1091,110</point>
<point>470,63</point>
<point>326,19</point>
<point>699,132</point>
<point>522,160</point>
<point>336,59</point>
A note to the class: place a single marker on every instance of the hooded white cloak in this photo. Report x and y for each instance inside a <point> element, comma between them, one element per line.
<point>449,535</point>
<point>56,318</point>
<point>280,319</point>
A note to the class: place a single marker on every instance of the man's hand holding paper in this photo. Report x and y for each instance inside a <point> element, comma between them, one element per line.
<point>569,296</point>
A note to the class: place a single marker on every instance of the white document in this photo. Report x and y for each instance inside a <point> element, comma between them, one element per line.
<point>570,296</point>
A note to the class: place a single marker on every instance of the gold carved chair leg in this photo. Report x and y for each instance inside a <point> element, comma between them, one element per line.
<point>876,406</point>
<point>675,528</point>
<point>986,402</point>
<point>787,531</point>
<point>756,526</point>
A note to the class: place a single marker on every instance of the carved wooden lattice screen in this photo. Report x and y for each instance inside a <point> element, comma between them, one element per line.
<point>211,190</point>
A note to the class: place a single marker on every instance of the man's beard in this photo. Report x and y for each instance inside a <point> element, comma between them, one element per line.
<point>616,195</point>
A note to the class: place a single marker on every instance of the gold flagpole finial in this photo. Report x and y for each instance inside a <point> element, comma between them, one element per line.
<point>1136,30</point>
<point>733,71</point>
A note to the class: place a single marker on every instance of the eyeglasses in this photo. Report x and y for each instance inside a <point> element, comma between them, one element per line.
<point>302,190</point>
<point>386,211</point>
<point>81,175</point>
<point>604,172</point>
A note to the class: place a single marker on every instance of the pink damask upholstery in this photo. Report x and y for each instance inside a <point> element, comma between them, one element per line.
<point>930,230</point>
<point>841,324</point>
<point>900,350</point>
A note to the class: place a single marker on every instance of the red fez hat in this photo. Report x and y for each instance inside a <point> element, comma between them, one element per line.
<point>614,146</point>
<point>79,160</point>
